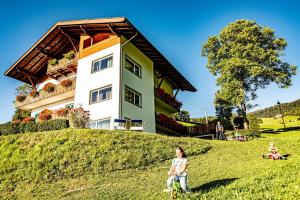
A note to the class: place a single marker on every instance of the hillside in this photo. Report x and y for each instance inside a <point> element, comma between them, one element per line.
<point>291,108</point>
<point>65,165</point>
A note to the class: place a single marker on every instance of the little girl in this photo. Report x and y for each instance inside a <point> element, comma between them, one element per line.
<point>178,171</point>
<point>273,153</point>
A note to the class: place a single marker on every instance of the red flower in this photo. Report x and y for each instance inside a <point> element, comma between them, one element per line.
<point>49,87</point>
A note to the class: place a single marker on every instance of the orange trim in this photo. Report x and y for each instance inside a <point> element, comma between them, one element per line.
<point>111,41</point>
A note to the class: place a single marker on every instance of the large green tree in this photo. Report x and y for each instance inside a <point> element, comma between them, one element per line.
<point>246,57</point>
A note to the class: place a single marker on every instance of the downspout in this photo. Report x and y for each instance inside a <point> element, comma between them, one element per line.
<point>121,74</point>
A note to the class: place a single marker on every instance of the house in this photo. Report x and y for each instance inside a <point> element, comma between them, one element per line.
<point>115,73</point>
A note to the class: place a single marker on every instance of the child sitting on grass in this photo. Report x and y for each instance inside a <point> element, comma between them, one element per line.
<point>178,171</point>
<point>273,153</point>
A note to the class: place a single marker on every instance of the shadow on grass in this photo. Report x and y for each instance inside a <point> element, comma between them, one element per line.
<point>280,130</point>
<point>213,185</point>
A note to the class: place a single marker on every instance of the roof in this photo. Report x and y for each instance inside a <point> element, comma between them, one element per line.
<point>57,41</point>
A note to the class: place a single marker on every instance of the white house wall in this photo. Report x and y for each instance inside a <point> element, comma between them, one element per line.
<point>86,81</point>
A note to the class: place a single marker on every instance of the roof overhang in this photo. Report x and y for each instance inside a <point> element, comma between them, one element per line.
<point>59,38</point>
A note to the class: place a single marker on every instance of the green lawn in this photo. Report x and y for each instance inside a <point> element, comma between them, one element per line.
<point>217,170</point>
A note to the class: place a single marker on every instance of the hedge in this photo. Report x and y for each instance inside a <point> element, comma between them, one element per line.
<point>50,125</point>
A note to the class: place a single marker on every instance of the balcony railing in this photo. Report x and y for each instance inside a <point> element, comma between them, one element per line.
<point>63,67</point>
<point>59,93</point>
<point>167,98</point>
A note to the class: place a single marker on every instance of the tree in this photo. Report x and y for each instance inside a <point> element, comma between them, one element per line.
<point>183,115</point>
<point>246,57</point>
<point>224,113</point>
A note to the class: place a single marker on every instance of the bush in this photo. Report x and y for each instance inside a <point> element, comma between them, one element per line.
<point>9,128</point>
<point>28,127</point>
<point>28,119</point>
<point>49,87</point>
<point>20,114</point>
<point>79,118</point>
<point>66,83</point>
<point>52,125</point>
<point>45,115</point>
<point>62,112</point>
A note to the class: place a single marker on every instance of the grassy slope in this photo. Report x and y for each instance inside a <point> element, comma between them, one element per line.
<point>229,170</point>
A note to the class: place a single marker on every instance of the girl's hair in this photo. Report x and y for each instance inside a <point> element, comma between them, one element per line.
<point>182,151</point>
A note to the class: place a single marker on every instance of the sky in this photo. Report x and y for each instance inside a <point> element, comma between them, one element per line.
<point>176,28</point>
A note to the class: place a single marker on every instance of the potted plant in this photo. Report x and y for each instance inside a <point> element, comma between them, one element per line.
<point>34,93</point>
<point>53,62</point>
<point>49,87</point>
<point>66,83</point>
<point>21,98</point>
<point>70,55</point>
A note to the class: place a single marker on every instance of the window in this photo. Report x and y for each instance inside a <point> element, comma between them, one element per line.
<point>133,97</point>
<point>102,63</point>
<point>100,94</point>
<point>100,124</point>
<point>133,67</point>
<point>70,106</point>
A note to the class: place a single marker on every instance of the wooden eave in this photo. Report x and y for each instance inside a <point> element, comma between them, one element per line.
<point>54,43</point>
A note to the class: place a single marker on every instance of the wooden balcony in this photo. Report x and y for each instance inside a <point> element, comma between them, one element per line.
<point>44,98</point>
<point>63,67</point>
<point>166,101</point>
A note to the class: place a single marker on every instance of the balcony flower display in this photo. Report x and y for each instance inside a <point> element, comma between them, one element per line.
<point>45,115</point>
<point>70,55</point>
<point>34,93</point>
<point>21,98</point>
<point>49,87</point>
<point>66,83</point>
<point>168,98</point>
<point>53,62</point>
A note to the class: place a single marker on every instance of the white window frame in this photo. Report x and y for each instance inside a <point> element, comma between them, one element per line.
<point>98,97</point>
<point>100,60</point>
<point>100,120</point>
<point>135,65</point>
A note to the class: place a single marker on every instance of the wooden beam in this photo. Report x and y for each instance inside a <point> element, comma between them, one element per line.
<point>176,92</point>
<point>83,28</point>
<point>68,37</point>
<point>46,53</point>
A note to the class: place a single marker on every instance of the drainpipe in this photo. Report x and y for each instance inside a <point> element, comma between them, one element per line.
<point>121,74</point>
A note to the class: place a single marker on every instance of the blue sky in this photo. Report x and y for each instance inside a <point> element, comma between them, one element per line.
<point>176,28</point>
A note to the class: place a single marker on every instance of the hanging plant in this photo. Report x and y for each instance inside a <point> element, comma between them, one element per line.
<point>20,98</point>
<point>66,83</point>
<point>70,55</point>
<point>62,112</point>
<point>45,115</point>
<point>53,62</point>
<point>49,87</point>
<point>34,93</point>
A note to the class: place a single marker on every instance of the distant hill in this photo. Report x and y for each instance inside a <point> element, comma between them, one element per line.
<point>291,108</point>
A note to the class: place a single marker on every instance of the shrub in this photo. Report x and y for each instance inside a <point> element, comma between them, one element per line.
<point>45,115</point>
<point>20,98</point>
<point>66,83</point>
<point>28,127</point>
<point>70,55</point>
<point>62,112</point>
<point>52,125</point>
<point>34,93</point>
<point>20,114</point>
<point>28,119</point>
<point>53,62</point>
<point>9,128</point>
<point>79,118</point>
<point>49,87</point>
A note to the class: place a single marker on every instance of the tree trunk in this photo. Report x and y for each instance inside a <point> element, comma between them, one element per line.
<point>244,112</point>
